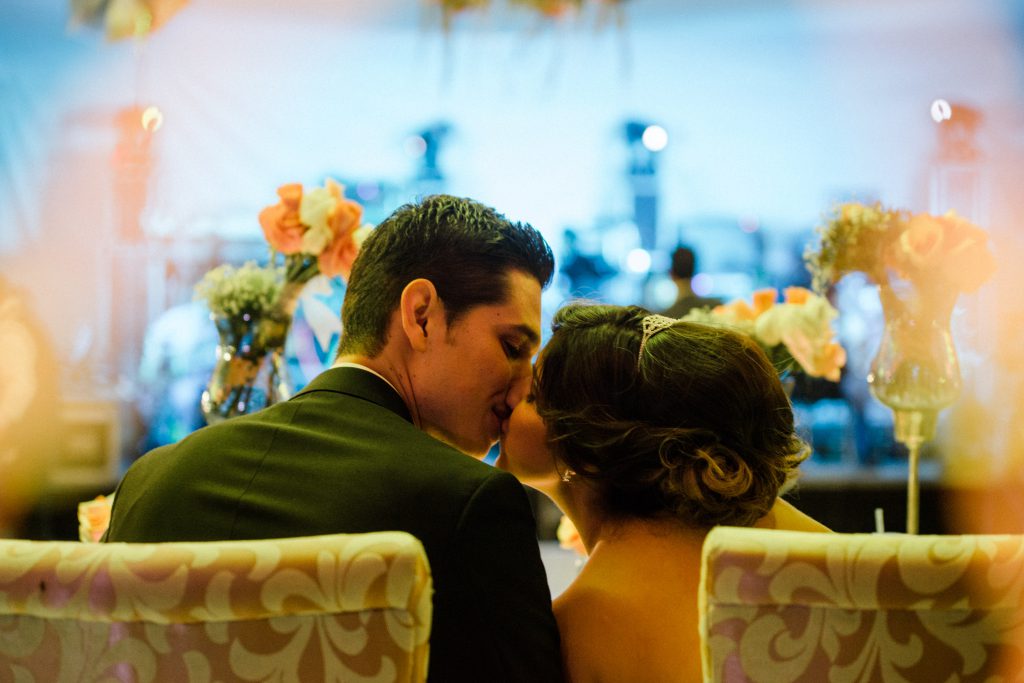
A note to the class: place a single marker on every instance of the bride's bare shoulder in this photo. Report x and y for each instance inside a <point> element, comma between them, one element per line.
<point>590,620</point>
<point>616,635</point>
<point>784,515</point>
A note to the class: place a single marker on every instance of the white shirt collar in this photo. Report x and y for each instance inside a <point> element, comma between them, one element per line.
<point>345,364</point>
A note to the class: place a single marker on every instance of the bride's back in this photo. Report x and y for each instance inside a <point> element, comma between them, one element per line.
<point>631,614</point>
<point>659,430</point>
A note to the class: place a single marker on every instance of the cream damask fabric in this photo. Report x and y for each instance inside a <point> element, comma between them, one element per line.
<point>781,606</point>
<point>321,608</point>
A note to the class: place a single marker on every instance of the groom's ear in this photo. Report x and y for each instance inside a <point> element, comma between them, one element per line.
<point>419,309</point>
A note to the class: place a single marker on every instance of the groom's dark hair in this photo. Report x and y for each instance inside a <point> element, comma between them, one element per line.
<point>467,250</point>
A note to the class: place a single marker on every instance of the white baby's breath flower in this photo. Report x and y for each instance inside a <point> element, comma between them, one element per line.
<point>230,291</point>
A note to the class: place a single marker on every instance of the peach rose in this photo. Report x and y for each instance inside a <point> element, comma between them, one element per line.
<point>968,274</point>
<point>338,256</point>
<point>968,262</point>
<point>345,218</point>
<point>796,295</point>
<point>736,310</point>
<point>280,222</point>
<point>817,359</point>
<point>764,299</point>
<point>806,331</point>
<point>94,518</point>
<point>922,241</point>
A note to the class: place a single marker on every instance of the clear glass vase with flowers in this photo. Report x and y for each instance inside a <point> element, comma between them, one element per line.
<point>921,264</point>
<point>309,233</point>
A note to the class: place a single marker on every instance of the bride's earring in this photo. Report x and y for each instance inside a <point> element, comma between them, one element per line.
<point>567,476</point>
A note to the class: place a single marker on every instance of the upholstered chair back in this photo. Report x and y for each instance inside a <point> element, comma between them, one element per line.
<point>782,606</point>
<point>321,608</point>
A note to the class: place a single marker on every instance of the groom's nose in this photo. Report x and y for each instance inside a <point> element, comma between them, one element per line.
<point>518,389</point>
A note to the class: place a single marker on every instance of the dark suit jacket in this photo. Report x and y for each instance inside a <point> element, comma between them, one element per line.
<point>342,456</point>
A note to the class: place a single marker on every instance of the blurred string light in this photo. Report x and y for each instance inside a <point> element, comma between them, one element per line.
<point>648,136</point>
<point>367,191</point>
<point>415,146</point>
<point>941,111</point>
<point>654,138</point>
<point>152,118</point>
<point>702,284</point>
<point>638,261</point>
<point>644,141</point>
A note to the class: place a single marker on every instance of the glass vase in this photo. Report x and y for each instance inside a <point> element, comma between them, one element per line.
<point>915,372</point>
<point>250,373</point>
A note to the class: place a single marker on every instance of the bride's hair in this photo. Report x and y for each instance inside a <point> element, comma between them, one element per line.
<point>698,427</point>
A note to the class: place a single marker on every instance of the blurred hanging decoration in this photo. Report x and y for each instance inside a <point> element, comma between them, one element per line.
<point>124,18</point>
<point>547,9</point>
<point>452,8</point>
<point>921,263</point>
<point>551,9</point>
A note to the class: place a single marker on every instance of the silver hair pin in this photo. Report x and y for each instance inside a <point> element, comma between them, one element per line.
<point>652,325</point>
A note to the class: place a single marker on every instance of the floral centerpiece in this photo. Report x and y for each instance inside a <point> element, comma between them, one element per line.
<point>546,9</point>
<point>309,233</point>
<point>940,256</point>
<point>316,231</point>
<point>796,334</point>
<point>94,518</point>
<point>921,264</point>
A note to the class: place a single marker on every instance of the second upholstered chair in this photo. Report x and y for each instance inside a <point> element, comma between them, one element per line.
<point>782,606</point>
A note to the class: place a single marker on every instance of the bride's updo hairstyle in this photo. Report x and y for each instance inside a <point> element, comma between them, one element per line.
<point>697,427</point>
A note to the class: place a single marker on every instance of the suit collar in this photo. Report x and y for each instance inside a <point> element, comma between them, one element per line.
<point>362,384</point>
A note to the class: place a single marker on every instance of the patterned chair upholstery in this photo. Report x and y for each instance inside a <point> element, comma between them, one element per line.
<point>785,606</point>
<point>321,608</point>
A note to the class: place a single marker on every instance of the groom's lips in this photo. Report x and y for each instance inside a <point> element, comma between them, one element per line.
<point>502,413</point>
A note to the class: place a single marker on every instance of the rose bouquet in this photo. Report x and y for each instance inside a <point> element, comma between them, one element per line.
<point>309,232</point>
<point>316,231</point>
<point>939,256</point>
<point>795,334</point>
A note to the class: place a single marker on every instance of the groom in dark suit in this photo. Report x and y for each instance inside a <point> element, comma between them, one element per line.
<point>440,321</point>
